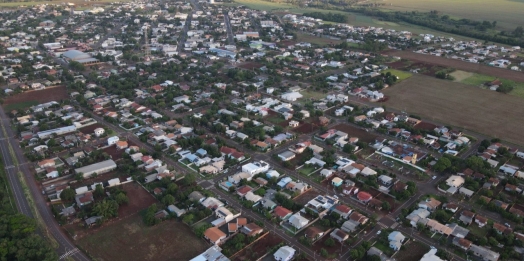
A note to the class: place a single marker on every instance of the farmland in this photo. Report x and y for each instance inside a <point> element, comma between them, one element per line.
<point>30,98</point>
<point>508,14</point>
<point>460,105</point>
<point>130,239</point>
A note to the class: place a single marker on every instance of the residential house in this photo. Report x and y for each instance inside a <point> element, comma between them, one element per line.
<point>396,239</point>
<point>214,235</point>
<point>339,235</point>
<point>282,212</point>
<point>466,217</point>
<point>343,210</point>
<point>285,253</point>
<point>297,221</point>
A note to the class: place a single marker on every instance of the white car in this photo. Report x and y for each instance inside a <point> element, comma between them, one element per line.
<point>378,233</point>
<point>434,177</point>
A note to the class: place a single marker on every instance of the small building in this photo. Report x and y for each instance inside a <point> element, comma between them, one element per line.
<point>337,181</point>
<point>285,253</point>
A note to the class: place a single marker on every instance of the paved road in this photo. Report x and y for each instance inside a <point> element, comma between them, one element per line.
<point>229,30</point>
<point>66,247</point>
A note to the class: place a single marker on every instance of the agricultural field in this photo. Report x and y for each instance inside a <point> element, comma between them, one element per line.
<point>130,239</point>
<point>460,105</point>
<point>508,12</point>
<point>30,98</point>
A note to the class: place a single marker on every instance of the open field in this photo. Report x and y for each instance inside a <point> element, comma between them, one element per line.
<point>461,75</point>
<point>20,105</point>
<point>402,75</point>
<point>460,65</point>
<point>508,13</point>
<point>479,79</point>
<point>488,112</point>
<point>302,37</point>
<point>130,239</point>
<point>36,97</point>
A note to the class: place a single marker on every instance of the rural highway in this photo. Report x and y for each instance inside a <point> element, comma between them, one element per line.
<point>7,139</point>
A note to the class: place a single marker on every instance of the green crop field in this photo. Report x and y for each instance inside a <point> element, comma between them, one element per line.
<point>507,13</point>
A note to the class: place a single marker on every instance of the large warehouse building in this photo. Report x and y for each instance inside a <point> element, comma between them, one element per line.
<point>78,56</point>
<point>97,168</point>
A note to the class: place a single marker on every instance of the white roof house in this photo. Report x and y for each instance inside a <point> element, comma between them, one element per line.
<point>291,96</point>
<point>97,168</point>
<point>455,181</point>
<point>298,221</point>
<point>284,253</point>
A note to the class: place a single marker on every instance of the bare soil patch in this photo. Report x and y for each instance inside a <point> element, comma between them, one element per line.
<point>91,128</point>
<point>356,132</point>
<point>425,126</point>
<point>139,199</point>
<point>460,65</point>
<point>306,197</point>
<point>466,107</point>
<point>250,65</point>
<point>130,239</point>
<point>259,248</point>
<point>42,96</point>
<point>413,250</point>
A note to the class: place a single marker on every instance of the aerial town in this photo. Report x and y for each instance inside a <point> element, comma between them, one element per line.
<point>213,131</point>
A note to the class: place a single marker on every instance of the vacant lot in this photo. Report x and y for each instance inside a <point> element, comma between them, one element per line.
<point>139,199</point>
<point>302,37</point>
<point>483,111</point>
<point>460,65</point>
<point>259,248</point>
<point>30,98</point>
<point>130,239</point>
<point>306,197</point>
<point>356,132</point>
<point>413,250</point>
<point>91,128</point>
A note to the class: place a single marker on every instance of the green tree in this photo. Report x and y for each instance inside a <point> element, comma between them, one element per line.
<point>329,242</point>
<point>442,164</point>
<point>99,191</point>
<point>67,194</point>
<point>386,205</point>
<point>324,252</point>
<point>168,199</point>
<point>121,198</point>
<point>106,208</point>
